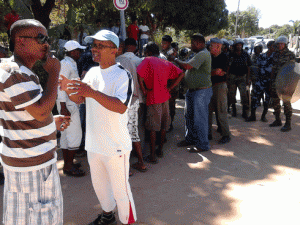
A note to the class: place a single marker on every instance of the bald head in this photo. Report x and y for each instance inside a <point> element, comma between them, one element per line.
<point>21,26</point>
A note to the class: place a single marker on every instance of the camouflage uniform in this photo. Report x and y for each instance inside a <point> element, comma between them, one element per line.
<point>262,82</point>
<point>279,60</point>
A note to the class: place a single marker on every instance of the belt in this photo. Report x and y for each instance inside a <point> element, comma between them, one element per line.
<point>28,162</point>
<point>196,89</point>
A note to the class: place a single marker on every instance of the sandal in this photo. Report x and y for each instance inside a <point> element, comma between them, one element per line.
<point>149,160</point>
<point>139,167</point>
<point>74,172</point>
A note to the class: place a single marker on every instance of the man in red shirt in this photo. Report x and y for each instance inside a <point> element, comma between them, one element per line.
<point>153,75</point>
<point>133,29</point>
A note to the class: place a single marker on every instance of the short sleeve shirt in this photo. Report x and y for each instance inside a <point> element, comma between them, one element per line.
<point>156,73</point>
<point>22,135</point>
<point>133,31</point>
<point>144,28</point>
<point>200,75</point>
<point>106,131</point>
<point>130,62</point>
<point>68,69</point>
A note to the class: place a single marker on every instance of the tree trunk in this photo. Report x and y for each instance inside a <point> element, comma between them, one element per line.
<point>42,13</point>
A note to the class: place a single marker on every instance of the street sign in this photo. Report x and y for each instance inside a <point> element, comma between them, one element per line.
<point>121,4</point>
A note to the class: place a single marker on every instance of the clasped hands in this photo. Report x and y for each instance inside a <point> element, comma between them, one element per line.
<point>74,87</point>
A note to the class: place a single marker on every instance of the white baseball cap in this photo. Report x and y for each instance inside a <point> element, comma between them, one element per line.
<point>72,45</point>
<point>104,35</point>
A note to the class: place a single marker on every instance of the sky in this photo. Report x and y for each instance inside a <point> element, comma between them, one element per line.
<point>272,12</point>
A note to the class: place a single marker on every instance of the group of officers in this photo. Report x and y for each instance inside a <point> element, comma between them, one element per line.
<point>259,70</point>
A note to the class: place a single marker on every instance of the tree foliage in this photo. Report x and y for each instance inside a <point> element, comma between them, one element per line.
<point>204,16</point>
<point>247,22</point>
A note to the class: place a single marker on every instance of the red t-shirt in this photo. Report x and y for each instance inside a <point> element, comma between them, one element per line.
<point>156,73</point>
<point>10,19</point>
<point>133,31</point>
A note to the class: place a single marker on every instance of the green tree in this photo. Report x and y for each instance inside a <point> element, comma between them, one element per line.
<point>247,22</point>
<point>205,16</point>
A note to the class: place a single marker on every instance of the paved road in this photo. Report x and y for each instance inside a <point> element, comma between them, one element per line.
<point>252,180</point>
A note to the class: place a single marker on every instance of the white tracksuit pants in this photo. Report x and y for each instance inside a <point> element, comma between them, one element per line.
<point>110,181</point>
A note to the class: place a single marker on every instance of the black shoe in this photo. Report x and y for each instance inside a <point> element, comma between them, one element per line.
<point>224,140</point>
<point>209,137</point>
<point>276,123</point>
<point>171,128</point>
<point>184,144</point>
<point>159,153</point>
<point>286,128</point>
<point>251,119</point>
<point>104,220</point>
<point>263,119</point>
<point>196,150</point>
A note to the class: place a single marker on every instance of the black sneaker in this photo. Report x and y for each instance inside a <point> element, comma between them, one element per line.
<point>104,220</point>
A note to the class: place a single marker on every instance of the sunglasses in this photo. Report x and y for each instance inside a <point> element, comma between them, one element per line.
<point>41,39</point>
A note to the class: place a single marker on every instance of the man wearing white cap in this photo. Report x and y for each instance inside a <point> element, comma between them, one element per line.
<point>71,137</point>
<point>107,91</point>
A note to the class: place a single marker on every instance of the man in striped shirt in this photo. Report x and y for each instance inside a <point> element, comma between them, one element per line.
<point>32,191</point>
<point>107,91</point>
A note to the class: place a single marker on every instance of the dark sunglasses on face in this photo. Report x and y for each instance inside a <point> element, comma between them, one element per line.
<point>41,39</point>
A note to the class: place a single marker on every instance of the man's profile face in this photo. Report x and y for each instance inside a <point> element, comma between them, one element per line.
<point>30,46</point>
<point>165,45</point>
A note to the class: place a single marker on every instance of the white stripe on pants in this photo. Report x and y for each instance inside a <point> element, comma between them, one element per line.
<point>110,176</point>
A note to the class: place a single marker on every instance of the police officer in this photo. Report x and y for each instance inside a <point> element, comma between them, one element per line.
<point>281,57</point>
<point>261,85</point>
<point>239,76</point>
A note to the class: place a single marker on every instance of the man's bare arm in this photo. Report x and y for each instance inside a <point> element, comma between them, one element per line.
<point>176,81</point>
<point>41,109</point>
<point>78,91</point>
<point>183,65</point>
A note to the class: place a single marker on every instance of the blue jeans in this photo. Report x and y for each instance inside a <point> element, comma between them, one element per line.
<point>196,117</point>
<point>142,43</point>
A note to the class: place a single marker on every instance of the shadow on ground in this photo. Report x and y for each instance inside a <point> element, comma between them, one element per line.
<point>211,188</point>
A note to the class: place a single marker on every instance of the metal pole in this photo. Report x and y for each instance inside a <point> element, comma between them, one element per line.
<point>237,17</point>
<point>123,29</point>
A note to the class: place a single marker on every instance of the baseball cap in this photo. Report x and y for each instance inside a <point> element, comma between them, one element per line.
<point>216,40</point>
<point>72,45</point>
<point>104,35</point>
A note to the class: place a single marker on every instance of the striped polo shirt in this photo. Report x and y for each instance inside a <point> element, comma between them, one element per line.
<point>22,135</point>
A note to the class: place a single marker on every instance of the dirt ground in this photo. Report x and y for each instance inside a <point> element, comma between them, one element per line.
<point>254,179</point>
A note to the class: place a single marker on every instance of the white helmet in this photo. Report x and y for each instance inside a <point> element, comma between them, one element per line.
<point>282,39</point>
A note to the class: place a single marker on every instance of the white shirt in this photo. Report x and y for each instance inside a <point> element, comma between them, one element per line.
<point>144,28</point>
<point>68,68</point>
<point>130,61</point>
<point>106,131</point>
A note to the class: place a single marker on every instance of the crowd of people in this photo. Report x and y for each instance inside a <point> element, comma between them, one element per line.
<point>113,97</point>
